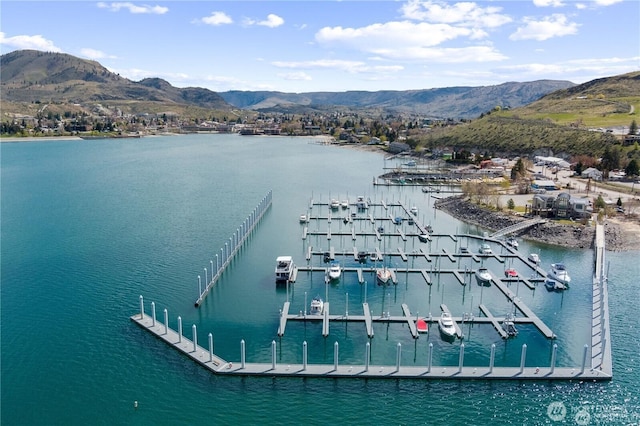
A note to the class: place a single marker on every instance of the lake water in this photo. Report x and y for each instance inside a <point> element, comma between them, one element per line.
<point>89,226</point>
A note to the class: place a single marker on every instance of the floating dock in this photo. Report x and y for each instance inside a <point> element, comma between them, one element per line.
<point>598,367</point>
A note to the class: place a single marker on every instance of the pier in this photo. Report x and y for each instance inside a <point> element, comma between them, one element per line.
<point>596,360</point>
<point>231,248</point>
<point>217,365</point>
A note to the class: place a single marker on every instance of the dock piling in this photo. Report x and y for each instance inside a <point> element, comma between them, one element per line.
<point>195,337</point>
<point>367,354</point>
<point>210,347</point>
<point>553,357</point>
<point>166,321</point>
<point>243,355</point>
<point>430,358</point>
<point>523,357</point>
<point>153,314</point>
<point>584,357</point>
<point>492,358</point>
<point>273,354</point>
<point>141,307</point>
<point>398,356</point>
<point>304,355</point>
<point>461,358</point>
<point>335,356</point>
<point>179,329</point>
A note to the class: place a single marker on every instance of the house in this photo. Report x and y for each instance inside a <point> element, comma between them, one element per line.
<point>592,173</point>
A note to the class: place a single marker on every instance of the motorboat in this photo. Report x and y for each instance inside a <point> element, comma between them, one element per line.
<point>383,276</point>
<point>510,273</point>
<point>485,249</point>
<point>534,258</point>
<point>553,285</point>
<point>335,204</point>
<point>559,273</point>
<point>362,256</point>
<point>344,204</point>
<point>511,241</point>
<point>380,229</point>
<point>422,326</point>
<point>334,271</point>
<point>304,218</point>
<point>424,238</point>
<point>346,219</point>
<point>284,268</point>
<point>464,250</point>
<point>410,221</point>
<point>375,258</point>
<point>317,306</point>
<point>445,324</point>
<point>361,203</point>
<point>508,325</point>
<point>414,210</point>
<point>397,220</point>
<point>429,229</point>
<point>483,276</point>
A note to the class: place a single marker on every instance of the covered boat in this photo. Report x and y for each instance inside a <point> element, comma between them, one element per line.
<point>284,268</point>
<point>483,277</point>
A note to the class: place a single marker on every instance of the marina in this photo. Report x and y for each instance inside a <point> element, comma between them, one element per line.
<point>431,271</point>
<point>173,202</point>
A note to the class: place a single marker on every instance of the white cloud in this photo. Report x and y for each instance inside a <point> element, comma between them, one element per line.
<point>301,76</point>
<point>443,55</point>
<point>547,3</point>
<point>352,67</point>
<point>216,18</point>
<point>591,66</point>
<point>272,21</point>
<point>94,54</point>
<point>36,42</point>
<point>137,74</point>
<point>464,13</point>
<point>391,35</point>
<point>556,25</point>
<point>607,2</point>
<point>132,8</point>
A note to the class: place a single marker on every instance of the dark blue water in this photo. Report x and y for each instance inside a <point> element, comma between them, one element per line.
<point>89,226</point>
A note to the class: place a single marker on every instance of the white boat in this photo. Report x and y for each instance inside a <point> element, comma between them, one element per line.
<point>485,249</point>
<point>414,210</point>
<point>508,325</point>
<point>445,324</point>
<point>424,238</point>
<point>553,285</point>
<point>317,306</point>
<point>559,273</point>
<point>284,268</point>
<point>512,242</point>
<point>334,270</point>
<point>534,258</point>
<point>303,218</point>
<point>335,204</point>
<point>383,276</point>
<point>483,277</point>
<point>361,203</point>
<point>345,204</point>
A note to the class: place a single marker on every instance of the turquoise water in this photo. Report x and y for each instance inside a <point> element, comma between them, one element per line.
<point>89,226</point>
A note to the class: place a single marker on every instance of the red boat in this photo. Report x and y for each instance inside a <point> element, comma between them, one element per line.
<point>422,326</point>
<point>510,273</point>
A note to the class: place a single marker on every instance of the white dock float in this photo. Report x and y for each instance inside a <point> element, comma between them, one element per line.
<point>379,254</point>
<point>367,319</point>
<point>426,255</point>
<point>494,321</point>
<point>355,254</point>
<point>360,276</point>
<point>283,318</point>
<point>325,319</point>
<point>402,254</point>
<point>410,321</point>
<point>426,276</point>
<point>304,232</point>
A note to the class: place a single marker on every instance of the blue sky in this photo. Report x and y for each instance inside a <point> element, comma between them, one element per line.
<point>305,46</point>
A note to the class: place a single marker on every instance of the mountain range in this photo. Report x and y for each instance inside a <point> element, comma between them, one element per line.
<point>29,76</point>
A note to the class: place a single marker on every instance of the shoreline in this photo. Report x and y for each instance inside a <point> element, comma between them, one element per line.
<point>619,235</point>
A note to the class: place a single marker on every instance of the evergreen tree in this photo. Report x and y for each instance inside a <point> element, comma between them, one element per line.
<point>633,128</point>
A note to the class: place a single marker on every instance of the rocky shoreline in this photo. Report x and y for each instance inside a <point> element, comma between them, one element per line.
<point>575,236</point>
